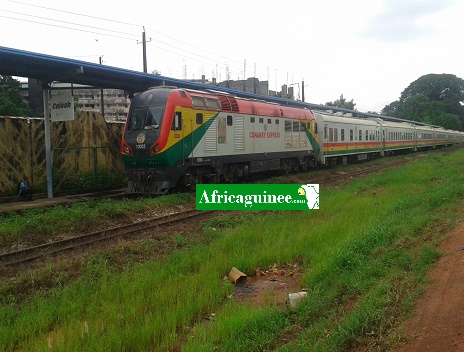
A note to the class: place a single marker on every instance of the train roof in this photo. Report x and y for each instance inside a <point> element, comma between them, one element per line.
<point>228,102</point>
<point>347,119</point>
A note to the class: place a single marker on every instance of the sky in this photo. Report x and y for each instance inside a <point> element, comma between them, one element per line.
<point>367,50</point>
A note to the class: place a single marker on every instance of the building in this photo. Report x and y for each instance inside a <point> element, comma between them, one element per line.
<point>112,103</point>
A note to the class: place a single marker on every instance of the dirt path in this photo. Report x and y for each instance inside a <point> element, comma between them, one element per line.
<point>438,321</point>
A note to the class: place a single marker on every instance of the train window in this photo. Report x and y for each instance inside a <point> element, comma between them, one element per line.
<point>252,119</point>
<point>296,126</point>
<point>198,102</point>
<point>177,122</point>
<point>343,135</point>
<point>146,118</point>
<point>315,128</point>
<point>213,104</point>
<point>288,126</point>
<point>331,134</point>
<point>335,134</point>
<point>276,121</point>
<point>269,121</point>
<point>360,135</point>
<point>325,132</point>
<point>351,135</point>
<point>261,120</point>
<point>229,120</point>
<point>302,127</point>
<point>367,135</point>
<point>199,118</point>
<point>137,119</point>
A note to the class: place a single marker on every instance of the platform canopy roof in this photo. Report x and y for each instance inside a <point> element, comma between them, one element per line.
<point>47,68</point>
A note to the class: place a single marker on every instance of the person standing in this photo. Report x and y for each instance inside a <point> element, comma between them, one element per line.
<point>25,190</point>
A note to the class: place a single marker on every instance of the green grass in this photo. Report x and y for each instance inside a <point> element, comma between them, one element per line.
<point>64,218</point>
<point>364,253</point>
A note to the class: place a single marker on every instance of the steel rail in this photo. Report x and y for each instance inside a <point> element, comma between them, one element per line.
<point>48,249</point>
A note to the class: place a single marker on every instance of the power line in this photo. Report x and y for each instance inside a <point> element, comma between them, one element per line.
<point>236,64</point>
<point>121,22</point>
<point>193,46</point>
<point>74,29</point>
<point>73,13</point>
<point>74,24</point>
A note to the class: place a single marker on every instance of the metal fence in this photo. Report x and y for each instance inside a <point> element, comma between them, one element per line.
<point>87,168</point>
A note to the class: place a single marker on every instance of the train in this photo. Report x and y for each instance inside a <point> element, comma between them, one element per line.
<point>176,138</point>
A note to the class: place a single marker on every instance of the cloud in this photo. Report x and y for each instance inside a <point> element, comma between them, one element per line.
<point>400,20</point>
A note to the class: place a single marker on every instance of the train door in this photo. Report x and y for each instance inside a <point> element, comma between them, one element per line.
<point>187,137</point>
<point>382,144</point>
<point>378,137</point>
<point>319,127</point>
<point>326,138</point>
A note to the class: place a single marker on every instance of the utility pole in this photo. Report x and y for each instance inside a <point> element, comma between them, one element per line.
<point>244,75</point>
<point>144,45</point>
<point>254,80</point>
<point>302,91</point>
<point>102,101</point>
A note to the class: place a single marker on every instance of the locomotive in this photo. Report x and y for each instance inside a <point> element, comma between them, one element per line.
<point>177,138</point>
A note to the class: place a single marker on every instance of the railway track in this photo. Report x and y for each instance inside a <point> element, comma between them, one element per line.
<point>33,253</point>
<point>340,175</point>
<point>53,248</point>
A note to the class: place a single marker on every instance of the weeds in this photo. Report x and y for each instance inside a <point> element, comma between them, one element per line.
<point>366,252</point>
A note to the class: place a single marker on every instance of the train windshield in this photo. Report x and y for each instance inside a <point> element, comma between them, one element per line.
<point>145,118</point>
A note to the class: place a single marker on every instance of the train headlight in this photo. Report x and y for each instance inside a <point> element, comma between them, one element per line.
<point>126,149</point>
<point>154,149</point>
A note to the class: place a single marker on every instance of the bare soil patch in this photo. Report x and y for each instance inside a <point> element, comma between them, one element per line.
<point>270,287</point>
<point>438,320</point>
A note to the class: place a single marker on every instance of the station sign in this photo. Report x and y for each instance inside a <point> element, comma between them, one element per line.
<point>62,107</point>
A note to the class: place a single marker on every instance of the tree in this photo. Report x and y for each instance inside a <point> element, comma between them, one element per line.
<point>413,108</point>
<point>11,102</point>
<point>391,109</point>
<point>436,87</point>
<point>434,98</point>
<point>342,103</point>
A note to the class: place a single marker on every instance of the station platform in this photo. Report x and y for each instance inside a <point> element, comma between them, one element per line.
<point>41,201</point>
